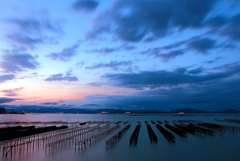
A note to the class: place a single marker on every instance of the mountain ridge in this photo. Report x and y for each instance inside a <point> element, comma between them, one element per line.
<point>112,110</point>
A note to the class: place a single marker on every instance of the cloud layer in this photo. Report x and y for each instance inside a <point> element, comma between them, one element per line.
<point>60,77</point>
<point>7,77</point>
<point>85,5</point>
<point>164,78</point>
<point>11,92</point>
<point>65,55</point>
<point>13,62</point>
<point>127,21</point>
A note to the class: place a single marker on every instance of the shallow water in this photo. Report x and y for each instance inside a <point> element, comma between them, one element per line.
<point>219,147</point>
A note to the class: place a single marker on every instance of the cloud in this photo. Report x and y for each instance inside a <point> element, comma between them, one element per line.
<point>65,54</point>
<point>202,45</point>
<point>178,44</point>
<point>114,65</point>
<point>232,29</point>
<point>212,61</point>
<point>51,103</point>
<point>196,71</point>
<point>80,64</point>
<point>4,78</point>
<point>198,43</point>
<point>103,50</point>
<point>96,84</point>
<point>217,21</point>
<point>29,41</point>
<point>13,62</point>
<point>215,95</point>
<point>34,26</point>
<point>24,40</point>
<point>106,50</point>
<point>6,100</point>
<point>89,105</point>
<point>127,21</point>
<point>224,25</point>
<point>61,77</point>
<point>168,79</point>
<point>128,47</point>
<point>85,5</point>
<point>32,32</point>
<point>170,55</point>
<point>11,92</point>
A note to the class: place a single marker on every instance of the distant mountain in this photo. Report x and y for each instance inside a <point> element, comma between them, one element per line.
<point>52,109</point>
<point>152,111</point>
<point>58,110</point>
<point>229,111</point>
<point>104,110</point>
<point>120,111</point>
<point>187,110</point>
<point>2,110</point>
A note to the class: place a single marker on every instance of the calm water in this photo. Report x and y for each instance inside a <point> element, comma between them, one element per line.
<point>220,147</point>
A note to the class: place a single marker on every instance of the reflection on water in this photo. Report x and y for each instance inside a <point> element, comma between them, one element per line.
<point>221,145</point>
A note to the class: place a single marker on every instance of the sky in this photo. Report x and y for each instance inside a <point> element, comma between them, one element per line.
<point>129,54</point>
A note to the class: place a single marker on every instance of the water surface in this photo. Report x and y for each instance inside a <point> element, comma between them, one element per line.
<point>220,147</point>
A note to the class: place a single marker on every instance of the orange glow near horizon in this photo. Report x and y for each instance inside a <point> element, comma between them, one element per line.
<point>37,95</point>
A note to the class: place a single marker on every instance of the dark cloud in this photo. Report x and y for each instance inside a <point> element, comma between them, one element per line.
<point>128,22</point>
<point>174,45</point>
<point>178,43</point>
<point>61,77</point>
<point>168,56</point>
<point>13,62</point>
<point>65,54</point>
<point>215,95</point>
<point>198,43</point>
<point>7,77</point>
<point>196,71</point>
<point>225,26</point>
<point>7,100</point>
<point>107,50</point>
<point>164,78</point>
<point>212,61</point>
<point>11,92</point>
<point>89,105</point>
<point>202,45</point>
<point>85,5</point>
<point>51,103</point>
<point>114,65</point>
<point>232,29</point>
<point>165,56</point>
<point>198,95</point>
<point>217,21</point>
<point>180,70</point>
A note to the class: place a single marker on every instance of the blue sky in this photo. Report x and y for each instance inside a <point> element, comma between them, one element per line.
<point>131,54</point>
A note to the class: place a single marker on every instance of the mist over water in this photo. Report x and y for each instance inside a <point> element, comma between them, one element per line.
<point>220,147</point>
